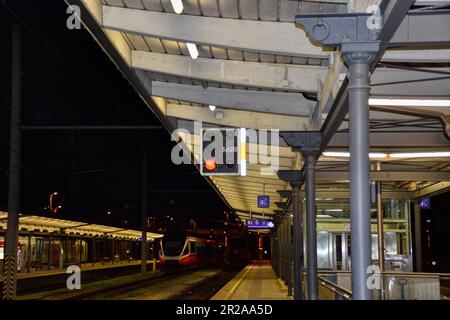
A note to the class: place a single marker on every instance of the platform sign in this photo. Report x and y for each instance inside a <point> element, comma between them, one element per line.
<point>263,202</point>
<point>425,203</point>
<point>259,224</point>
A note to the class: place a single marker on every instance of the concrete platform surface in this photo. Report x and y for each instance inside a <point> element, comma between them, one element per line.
<point>257,281</point>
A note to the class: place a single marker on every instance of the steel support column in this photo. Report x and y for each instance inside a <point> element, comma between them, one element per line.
<point>380,230</point>
<point>298,242</point>
<point>358,57</point>
<point>144,213</point>
<point>417,236</point>
<point>311,233</point>
<point>289,251</point>
<point>29,254</point>
<point>11,239</point>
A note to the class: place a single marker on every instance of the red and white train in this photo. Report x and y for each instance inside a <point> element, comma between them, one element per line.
<point>177,248</point>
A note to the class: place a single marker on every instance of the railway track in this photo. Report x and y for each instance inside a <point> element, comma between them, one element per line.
<point>200,284</point>
<point>184,284</point>
<point>207,288</point>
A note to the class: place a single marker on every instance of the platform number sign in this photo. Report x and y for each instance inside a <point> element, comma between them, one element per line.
<point>425,203</point>
<point>259,224</point>
<point>223,152</point>
<point>263,202</point>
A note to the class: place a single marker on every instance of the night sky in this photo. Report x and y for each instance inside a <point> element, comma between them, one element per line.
<point>93,171</point>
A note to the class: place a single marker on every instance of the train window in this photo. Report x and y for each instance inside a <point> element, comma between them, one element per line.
<point>193,247</point>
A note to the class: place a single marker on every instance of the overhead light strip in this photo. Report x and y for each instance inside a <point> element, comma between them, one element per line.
<point>177,6</point>
<point>405,155</point>
<point>409,102</point>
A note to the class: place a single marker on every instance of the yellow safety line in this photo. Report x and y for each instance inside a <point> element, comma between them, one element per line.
<point>282,285</point>
<point>236,285</point>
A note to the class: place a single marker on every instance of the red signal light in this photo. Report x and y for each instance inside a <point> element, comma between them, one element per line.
<point>210,164</point>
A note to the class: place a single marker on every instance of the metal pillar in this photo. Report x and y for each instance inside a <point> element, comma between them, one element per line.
<point>280,252</point>
<point>29,255</point>
<point>380,231</point>
<point>358,57</point>
<point>289,252</point>
<point>311,236</point>
<point>81,252</point>
<point>380,227</point>
<point>418,236</point>
<point>50,253</point>
<point>144,213</point>
<point>298,242</point>
<point>62,257</point>
<point>93,251</point>
<point>10,258</point>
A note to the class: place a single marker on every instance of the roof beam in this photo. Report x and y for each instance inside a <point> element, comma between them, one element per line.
<point>422,28</point>
<point>252,74</point>
<point>432,176</point>
<point>434,189</point>
<point>249,100</point>
<point>388,140</point>
<point>237,34</point>
<point>335,97</point>
<point>297,78</point>
<point>237,118</point>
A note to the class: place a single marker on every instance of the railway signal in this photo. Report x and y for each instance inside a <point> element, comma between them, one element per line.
<point>223,151</point>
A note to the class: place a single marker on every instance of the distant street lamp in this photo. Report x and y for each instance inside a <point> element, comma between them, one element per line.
<point>51,200</point>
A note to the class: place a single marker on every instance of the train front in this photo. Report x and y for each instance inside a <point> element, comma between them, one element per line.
<point>172,246</point>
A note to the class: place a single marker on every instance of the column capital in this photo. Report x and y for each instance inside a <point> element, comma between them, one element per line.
<point>360,52</point>
<point>294,177</point>
<point>308,142</point>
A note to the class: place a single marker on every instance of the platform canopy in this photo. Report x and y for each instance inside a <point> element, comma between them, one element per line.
<point>262,71</point>
<point>40,224</point>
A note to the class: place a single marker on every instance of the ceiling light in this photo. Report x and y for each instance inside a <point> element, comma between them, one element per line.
<point>336,154</point>
<point>212,107</point>
<point>192,48</point>
<point>409,102</point>
<point>219,115</point>
<point>378,155</point>
<point>177,6</point>
<point>372,155</point>
<point>420,155</point>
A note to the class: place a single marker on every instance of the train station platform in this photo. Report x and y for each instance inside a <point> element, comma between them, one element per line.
<point>56,278</point>
<point>257,281</point>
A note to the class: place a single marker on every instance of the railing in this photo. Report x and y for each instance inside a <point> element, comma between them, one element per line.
<point>331,291</point>
<point>336,285</point>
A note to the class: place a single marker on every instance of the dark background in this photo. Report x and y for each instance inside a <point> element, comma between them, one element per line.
<point>68,80</point>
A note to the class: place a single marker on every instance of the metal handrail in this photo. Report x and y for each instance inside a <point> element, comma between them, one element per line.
<point>399,273</point>
<point>346,294</point>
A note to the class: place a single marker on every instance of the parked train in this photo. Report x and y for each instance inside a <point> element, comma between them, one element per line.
<point>178,248</point>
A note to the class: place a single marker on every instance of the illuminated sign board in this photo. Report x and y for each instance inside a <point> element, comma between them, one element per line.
<point>263,202</point>
<point>425,203</point>
<point>259,224</point>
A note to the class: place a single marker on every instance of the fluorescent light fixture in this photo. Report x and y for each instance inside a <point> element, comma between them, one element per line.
<point>243,141</point>
<point>192,50</point>
<point>372,155</point>
<point>334,210</point>
<point>177,6</point>
<point>336,154</point>
<point>212,107</point>
<point>420,155</point>
<point>375,155</point>
<point>409,102</point>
